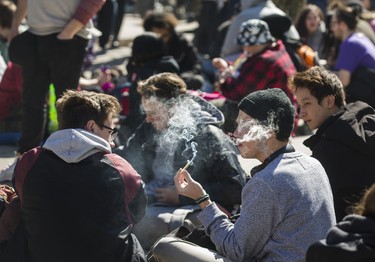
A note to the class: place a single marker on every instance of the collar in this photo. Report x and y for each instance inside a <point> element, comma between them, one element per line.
<point>285,149</point>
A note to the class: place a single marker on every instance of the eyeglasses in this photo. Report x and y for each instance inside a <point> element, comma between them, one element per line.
<point>114,132</point>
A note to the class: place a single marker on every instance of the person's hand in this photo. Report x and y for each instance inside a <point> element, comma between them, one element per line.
<point>167,195</point>
<point>220,64</point>
<point>225,69</point>
<point>187,186</point>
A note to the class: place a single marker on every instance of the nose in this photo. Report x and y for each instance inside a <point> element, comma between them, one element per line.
<point>302,113</point>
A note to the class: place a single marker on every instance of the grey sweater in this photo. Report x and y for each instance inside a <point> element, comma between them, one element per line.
<point>50,16</point>
<point>286,207</point>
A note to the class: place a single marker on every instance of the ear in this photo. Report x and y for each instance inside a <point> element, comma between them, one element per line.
<point>90,125</point>
<point>330,101</point>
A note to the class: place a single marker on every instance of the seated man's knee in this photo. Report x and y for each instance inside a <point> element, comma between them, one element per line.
<point>162,248</point>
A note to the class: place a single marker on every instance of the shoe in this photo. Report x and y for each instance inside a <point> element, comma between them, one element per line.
<point>7,173</point>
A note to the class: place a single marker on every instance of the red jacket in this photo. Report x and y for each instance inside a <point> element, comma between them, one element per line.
<point>10,89</point>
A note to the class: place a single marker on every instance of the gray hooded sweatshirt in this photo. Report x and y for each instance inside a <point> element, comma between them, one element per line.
<point>74,145</point>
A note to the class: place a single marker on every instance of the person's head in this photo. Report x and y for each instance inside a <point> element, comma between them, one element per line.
<point>7,10</point>
<point>160,23</point>
<point>344,20</point>
<point>319,94</point>
<point>146,47</point>
<point>94,112</point>
<point>254,36</point>
<point>366,206</point>
<point>263,115</point>
<point>159,94</point>
<point>309,20</point>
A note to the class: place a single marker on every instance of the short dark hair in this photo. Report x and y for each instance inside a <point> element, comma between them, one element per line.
<point>320,82</point>
<point>76,108</point>
<point>347,15</point>
<point>163,85</point>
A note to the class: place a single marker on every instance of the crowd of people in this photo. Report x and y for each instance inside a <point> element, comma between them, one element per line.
<point>135,167</point>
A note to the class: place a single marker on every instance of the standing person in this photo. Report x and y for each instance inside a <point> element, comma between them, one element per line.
<point>180,128</point>
<point>119,17</point>
<point>345,138</point>
<point>50,51</point>
<point>355,64</point>
<point>286,206</point>
<point>106,22</point>
<point>265,63</point>
<point>352,239</point>
<point>79,201</point>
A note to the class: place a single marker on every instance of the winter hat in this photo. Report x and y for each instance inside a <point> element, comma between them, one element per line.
<point>254,32</point>
<point>261,104</point>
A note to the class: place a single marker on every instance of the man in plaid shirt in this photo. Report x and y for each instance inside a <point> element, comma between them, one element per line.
<point>265,63</point>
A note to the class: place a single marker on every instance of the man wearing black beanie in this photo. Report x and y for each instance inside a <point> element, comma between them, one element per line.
<point>286,206</point>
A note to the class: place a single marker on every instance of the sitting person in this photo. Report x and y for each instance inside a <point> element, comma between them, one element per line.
<point>264,63</point>
<point>352,239</point>
<point>143,63</point>
<point>177,45</point>
<point>286,206</point>
<point>78,200</point>
<point>10,105</point>
<point>180,129</point>
<point>345,139</point>
<point>355,64</point>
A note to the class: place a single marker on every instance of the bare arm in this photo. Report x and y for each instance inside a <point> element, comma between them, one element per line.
<point>85,11</point>
<point>71,28</point>
<point>344,76</point>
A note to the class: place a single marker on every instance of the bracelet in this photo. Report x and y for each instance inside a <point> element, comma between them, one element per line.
<point>202,199</point>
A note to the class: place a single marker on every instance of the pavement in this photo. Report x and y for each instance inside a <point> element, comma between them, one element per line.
<point>132,27</point>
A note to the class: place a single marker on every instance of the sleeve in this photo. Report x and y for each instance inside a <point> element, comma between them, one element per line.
<point>217,168</point>
<point>349,57</point>
<point>10,89</point>
<point>87,9</point>
<point>251,77</point>
<point>135,196</point>
<point>246,238</point>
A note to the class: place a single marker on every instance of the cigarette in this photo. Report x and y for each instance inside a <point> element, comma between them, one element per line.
<point>186,166</point>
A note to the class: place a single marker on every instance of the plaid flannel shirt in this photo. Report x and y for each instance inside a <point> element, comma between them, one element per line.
<point>268,69</point>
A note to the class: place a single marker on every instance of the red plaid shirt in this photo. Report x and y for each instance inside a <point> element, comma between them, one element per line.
<point>268,69</point>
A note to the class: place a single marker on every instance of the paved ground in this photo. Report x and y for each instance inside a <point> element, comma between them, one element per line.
<point>132,27</point>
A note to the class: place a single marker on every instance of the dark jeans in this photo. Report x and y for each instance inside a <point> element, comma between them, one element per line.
<point>106,21</point>
<point>44,60</point>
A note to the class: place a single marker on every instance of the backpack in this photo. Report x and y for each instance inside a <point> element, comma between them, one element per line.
<point>302,55</point>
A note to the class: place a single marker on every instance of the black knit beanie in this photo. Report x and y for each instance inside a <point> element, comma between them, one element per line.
<point>261,104</point>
